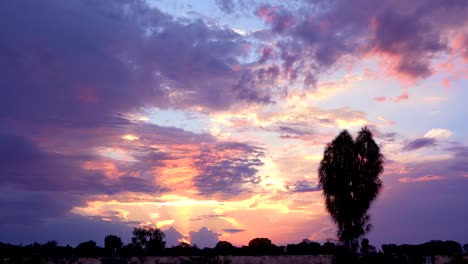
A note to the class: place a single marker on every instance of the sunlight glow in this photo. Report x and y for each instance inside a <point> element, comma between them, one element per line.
<point>130,137</point>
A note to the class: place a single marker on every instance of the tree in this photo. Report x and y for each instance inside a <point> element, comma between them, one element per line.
<point>87,249</point>
<point>224,248</point>
<point>151,240</point>
<point>367,248</point>
<point>262,246</point>
<point>349,176</point>
<point>113,244</point>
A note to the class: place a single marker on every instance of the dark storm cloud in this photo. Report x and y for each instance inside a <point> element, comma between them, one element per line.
<point>419,143</point>
<point>87,61</point>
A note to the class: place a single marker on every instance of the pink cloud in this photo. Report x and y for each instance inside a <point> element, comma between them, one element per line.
<point>421,179</point>
<point>380,99</point>
<point>268,13</point>
<point>402,97</point>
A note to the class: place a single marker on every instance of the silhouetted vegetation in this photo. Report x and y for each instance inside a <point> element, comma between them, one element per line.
<point>390,253</point>
<point>113,245</point>
<point>349,175</point>
<point>149,241</point>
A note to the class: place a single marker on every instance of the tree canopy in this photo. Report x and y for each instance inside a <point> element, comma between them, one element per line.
<point>150,240</point>
<point>113,244</point>
<point>349,176</point>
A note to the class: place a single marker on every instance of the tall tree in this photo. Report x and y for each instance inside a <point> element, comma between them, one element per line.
<point>349,176</point>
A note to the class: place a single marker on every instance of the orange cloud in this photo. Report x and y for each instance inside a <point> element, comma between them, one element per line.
<point>421,179</point>
<point>107,168</point>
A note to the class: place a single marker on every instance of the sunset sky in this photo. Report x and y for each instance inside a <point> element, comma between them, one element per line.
<point>208,119</point>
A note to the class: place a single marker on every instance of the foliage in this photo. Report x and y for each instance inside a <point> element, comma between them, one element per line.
<point>113,244</point>
<point>224,248</point>
<point>88,249</point>
<point>149,240</point>
<point>262,246</point>
<point>305,247</point>
<point>349,175</point>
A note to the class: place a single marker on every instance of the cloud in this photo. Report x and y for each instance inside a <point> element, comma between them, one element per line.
<point>386,121</point>
<point>116,58</point>
<point>402,97</point>
<point>204,238</point>
<point>233,230</point>
<point>438,133</point>
<point>421,179</point>
<point>226,6</point>
<point>336,30</point>
<point>55,174</point>
<point>227,168</point>
<point>419,143</point>
<point>301,186</point>
<point>172,237</point>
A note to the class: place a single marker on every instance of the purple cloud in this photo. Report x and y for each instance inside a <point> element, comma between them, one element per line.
<point>328,31</point>
<point>172,237</point>
<point>95,60</point>
<point>226,167</point>
<point>227,6</point>
<point>419,143</point>
<point>204,238</point>
<point>302,186</point>
<point>234,230</point>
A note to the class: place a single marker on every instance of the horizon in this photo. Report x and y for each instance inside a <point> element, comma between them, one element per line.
<point>211,117</point>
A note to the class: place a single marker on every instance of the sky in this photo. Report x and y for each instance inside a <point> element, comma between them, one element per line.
<point>208,119</point>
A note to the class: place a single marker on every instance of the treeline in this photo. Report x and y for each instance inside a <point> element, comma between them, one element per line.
<point>150,242</point>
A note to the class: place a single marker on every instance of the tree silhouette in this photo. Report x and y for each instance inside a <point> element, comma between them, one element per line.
<point>262,246</point>
<point>224,248</point>
<point>87,249</point>
<point>349,175</point>
<point>113,244</point>
<point>150,240</point>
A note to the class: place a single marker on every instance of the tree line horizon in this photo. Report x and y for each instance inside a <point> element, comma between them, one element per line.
<point>148,241</point>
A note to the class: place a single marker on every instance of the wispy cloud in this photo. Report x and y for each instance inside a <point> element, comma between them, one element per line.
<point>421,179</point>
